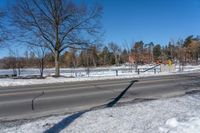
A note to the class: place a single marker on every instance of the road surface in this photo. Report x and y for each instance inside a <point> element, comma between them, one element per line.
<point>47,99</point>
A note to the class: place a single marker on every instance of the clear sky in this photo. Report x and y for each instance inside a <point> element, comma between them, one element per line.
<point>150,20</point>
<point>158,21</point>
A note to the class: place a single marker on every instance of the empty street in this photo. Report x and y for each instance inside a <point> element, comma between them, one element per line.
<point>47,99</point>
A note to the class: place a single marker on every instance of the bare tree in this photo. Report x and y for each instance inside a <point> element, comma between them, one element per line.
<point>70,58</point>
<point>127,46</point>
<point>150,52</point>
<point>105,55</point>
<point>40,54</point>
<point>137,50</point>
<point>61,24</point>
<point>74,57</point>
<point>17,63</point>
<point>93,54</point>
<point>14,62</point>
<point>3,32</point>
<point>180,54</point>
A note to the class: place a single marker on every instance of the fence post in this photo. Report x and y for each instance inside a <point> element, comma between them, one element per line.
<point>75,74</point>
<point>154,71</point>
<point>88,71</point>
<point>116,72</point>
<point>138,71</point>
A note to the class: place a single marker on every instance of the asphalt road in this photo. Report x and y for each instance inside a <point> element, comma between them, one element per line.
<point>17,102</point>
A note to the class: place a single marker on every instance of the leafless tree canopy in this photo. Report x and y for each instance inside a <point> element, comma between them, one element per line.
<point>3,31</point>
<point>61,24</point>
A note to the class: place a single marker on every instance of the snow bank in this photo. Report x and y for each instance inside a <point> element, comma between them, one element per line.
<point>190,125</point>
<point>174,115</point>
<point>103,73</point>
<point>15,82</point>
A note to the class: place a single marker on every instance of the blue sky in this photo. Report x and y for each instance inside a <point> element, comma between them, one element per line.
<point>158,21</point>
<point>151,20</point>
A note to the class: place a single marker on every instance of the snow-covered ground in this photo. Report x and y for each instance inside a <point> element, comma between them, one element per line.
<point>15,82</point>
<point>101,73</point>
<point>82,72</point>
<point>173,115</point>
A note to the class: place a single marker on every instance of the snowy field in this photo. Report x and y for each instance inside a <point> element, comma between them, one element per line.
<point>81,74</point>
<point>173,115</point>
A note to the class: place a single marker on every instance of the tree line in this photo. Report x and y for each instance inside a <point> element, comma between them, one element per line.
<point>63,33</point>
<point>182,51</point>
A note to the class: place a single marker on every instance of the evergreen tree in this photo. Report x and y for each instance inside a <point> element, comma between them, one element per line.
<point>157,52</point>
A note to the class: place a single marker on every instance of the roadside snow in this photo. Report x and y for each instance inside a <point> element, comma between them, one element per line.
<point>172,123</point>
<point>173,115</point>
<point>101,73</point>
<point>192,125</point>
<point>15,82</point>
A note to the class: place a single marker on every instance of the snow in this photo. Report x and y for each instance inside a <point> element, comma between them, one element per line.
<point>99,73</point>
<point>171,115</point>
<point>192,125</point>
<point>80,72</point>
<point>14,82</point>
<point>172,122</point>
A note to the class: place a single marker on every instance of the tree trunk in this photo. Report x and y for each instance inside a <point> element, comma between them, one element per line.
<point>42,68</point>
<point>116,60</point>
<point>57,64</point>
<point>94,62</point>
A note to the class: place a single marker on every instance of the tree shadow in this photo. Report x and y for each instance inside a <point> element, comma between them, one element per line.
<point>68,120</point>
<point>64,123</point>
<point>194,81</point>
<point>112,103</point>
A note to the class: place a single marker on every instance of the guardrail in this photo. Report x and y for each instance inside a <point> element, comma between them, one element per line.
<point>82,72</point>
<point>138,71</point>
<point>8,75</point>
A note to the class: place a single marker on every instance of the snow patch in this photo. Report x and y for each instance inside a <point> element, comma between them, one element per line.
<point>172,122</point>
<point>188,126</point>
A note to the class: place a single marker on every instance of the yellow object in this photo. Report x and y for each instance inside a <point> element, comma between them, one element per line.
<point>169,62</point>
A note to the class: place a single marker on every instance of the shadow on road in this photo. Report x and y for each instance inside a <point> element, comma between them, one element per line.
<point>112,103</point>
<point>68,120</point>
<point>194,79</point>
